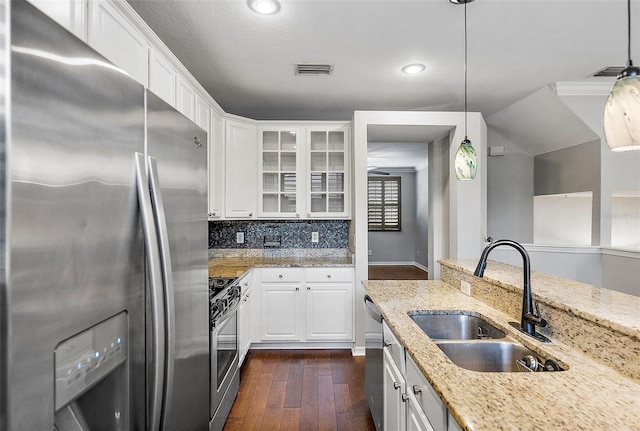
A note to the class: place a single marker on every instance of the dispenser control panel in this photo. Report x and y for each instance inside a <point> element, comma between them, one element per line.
<point>86,358</point>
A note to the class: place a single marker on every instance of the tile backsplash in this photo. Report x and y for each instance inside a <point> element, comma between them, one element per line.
<point>279,234</point>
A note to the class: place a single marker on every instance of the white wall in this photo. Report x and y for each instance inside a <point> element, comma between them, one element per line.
<point>509,191</point>
<point>465,206</point>
<point>575,263</point>
<point>422,217</point>
<point>562,219</point>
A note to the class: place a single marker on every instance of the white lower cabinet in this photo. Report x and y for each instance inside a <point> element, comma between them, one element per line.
<point>394,390</point>
<point>427,399</point>
<point>298,305</point>
<point>245,316</point>
<point>410,402</point>
<point>280,300</point>
<point>416,419</point>
<point>329,304</point>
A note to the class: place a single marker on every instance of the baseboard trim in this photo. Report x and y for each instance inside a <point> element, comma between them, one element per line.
<point>357,351</point>
<point>301,345</point>
<point>416,264</point>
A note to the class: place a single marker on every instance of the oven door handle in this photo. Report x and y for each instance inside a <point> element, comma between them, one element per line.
<point>226,316</point>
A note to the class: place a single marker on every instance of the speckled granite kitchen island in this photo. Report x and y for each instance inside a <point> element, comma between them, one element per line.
<point>587,396</point>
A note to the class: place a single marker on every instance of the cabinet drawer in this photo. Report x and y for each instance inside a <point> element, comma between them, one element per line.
<point>282,275</point>
<point>330,275</point>
<point>430,402</point>
<point>394,347</point>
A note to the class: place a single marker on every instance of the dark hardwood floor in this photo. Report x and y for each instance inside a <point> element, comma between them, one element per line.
<point>302,390</point>
<point>397,272</point>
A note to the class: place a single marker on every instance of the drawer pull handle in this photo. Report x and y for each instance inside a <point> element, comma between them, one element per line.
<point>396,385</point>
<point>417,389</point>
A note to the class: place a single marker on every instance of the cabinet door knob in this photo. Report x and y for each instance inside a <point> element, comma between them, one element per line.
<point>417,389</point>
<point>279,275</point>
<point>386,344</point>
<point>396,385</point>
<point>328,275</point>
<point>308,288</point>
<point>298,215</point>
<point>250,214</point>
<point>405,397</point>
<point>297,288</point>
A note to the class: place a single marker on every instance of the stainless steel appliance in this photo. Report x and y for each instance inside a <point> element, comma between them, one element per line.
<point>373,362</point>
<point>224,294</point>
<point>103,243</point>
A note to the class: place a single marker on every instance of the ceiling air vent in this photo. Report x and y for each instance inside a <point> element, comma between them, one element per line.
<point>609,71</point>
<point>312,69</point>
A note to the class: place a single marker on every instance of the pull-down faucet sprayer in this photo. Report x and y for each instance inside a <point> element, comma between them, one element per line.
<point>529,319</point>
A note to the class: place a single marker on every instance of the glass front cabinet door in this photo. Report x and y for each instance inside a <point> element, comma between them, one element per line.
<point>327,177</point>
<point>279,165</point>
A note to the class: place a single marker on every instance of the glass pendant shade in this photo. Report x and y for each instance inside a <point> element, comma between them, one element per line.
<point>466,163</point>
<point>621,119</point>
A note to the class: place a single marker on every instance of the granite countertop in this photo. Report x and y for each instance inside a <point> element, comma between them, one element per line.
<point>236,266</point>
<point>587,396</point>
<point>616,310</point>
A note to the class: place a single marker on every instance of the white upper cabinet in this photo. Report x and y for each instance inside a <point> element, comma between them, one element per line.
<point>216,166</point>
<point>186,99</point>
<point>279,172</point>
<point>162,77</point>
<point>71,14</point>
<point>115,37</point>
<point>241,146</point>
<point>327,177</point>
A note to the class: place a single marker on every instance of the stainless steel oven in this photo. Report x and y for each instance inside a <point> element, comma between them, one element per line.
<point>225,381</point>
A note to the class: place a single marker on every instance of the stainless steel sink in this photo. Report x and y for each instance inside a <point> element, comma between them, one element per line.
<point>488,356</point>
<point>455,326</point>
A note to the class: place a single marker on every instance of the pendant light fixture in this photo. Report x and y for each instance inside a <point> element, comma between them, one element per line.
<point>466,162</point>
<point>621,120</point>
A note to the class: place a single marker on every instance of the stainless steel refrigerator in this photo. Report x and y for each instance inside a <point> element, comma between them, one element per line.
<point>103,242</point>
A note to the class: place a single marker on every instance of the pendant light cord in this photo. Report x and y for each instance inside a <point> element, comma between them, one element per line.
<point>465,70</point>
<point>629,62</point>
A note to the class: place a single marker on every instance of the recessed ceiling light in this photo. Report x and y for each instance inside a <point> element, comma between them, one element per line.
<point>264,7</point>
<point>412,69</point>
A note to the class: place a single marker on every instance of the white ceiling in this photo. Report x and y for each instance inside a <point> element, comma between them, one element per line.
<point>516,47</point>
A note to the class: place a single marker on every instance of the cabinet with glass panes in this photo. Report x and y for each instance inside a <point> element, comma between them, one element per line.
<point>280,164</point>
<point>327,172</point>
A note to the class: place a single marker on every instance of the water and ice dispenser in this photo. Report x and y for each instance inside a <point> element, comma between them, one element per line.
<point>91,386</point>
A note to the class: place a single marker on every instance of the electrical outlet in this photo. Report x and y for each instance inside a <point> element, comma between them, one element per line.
<point>239,237</point>
<point>370,252</point>
<point>314,236</point>
<point>465,287</point>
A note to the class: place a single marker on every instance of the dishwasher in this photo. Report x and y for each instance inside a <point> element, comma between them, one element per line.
<point>373,365</point>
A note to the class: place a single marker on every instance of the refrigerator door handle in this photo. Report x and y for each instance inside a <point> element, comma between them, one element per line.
<point>167,275</point>
<point>154,272</point>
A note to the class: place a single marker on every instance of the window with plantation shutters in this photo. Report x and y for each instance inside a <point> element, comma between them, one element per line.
<point>384,203</point>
